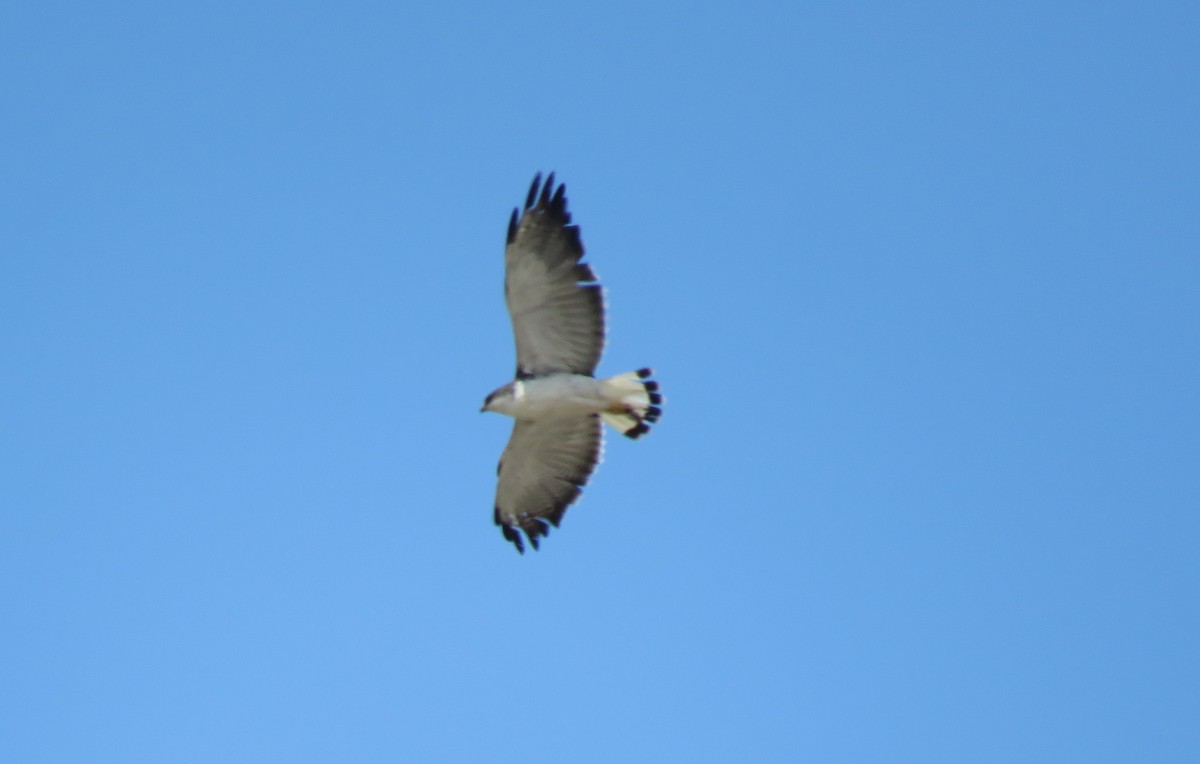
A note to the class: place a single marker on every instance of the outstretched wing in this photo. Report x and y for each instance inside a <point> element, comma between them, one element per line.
<point>543,468</point>
<point>557,308</point>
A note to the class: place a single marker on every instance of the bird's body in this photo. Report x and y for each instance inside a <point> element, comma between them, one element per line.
<point>557,395</point>
<point>557,311</point>
<point>550,395</point>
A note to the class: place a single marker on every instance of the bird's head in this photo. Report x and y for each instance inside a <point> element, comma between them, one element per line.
<point>498,400</point>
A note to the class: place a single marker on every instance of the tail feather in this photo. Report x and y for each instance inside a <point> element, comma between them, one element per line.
<point>636,402</point>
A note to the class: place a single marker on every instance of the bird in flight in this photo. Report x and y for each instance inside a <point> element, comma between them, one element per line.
<point>557,310</point>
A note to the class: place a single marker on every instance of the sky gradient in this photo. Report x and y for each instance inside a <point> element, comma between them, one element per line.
<point>920,283</point>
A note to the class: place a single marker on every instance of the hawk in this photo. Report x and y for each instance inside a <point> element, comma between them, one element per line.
<point>557,310</point>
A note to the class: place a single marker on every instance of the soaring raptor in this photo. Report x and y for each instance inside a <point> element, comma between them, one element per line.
<point>557,310</point>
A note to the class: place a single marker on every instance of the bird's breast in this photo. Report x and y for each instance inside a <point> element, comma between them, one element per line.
<point>557,395</point>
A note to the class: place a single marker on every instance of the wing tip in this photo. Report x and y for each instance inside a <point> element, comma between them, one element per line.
<point>533,189</point>
<point>531,528</point>
<point>549,201</point>
<point>547,195</point>
<point>512,227</point>
<point>513,534</point>
<point>537,527</point>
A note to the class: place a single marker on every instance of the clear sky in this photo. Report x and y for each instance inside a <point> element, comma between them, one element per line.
<point>921,282</point>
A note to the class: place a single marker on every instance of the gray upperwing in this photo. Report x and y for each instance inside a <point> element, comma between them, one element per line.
<point>557,308</point>
<point>542,471</point>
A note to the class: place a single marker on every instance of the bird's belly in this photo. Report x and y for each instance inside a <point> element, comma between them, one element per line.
<point>558,395</point>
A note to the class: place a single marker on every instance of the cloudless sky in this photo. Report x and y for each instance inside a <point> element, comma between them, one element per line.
<point>921,282</point>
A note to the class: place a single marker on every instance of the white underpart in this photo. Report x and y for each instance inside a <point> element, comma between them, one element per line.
<point>571,395</point>
<point>556,395</point>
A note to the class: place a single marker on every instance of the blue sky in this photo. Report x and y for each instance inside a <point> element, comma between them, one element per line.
<point>919,280</point>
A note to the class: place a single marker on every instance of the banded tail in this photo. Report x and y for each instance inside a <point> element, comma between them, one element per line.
<point>635,402</point>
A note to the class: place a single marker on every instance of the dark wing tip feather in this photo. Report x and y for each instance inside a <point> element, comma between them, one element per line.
<point>536,528</point>
<point>512,227</point>
<point>655,398</point>
<point>533,189</point>
<point>555,517</point>
<point>573,232</point>
<point>643,373</point>
<point>547,199</point>
<point>650,386</point>
<point>558,203</point>
<point>510,534</point>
